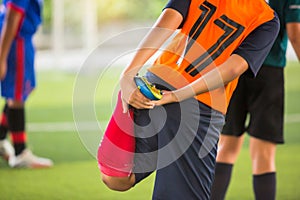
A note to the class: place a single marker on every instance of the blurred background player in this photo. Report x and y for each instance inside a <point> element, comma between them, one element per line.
<point>19,20</point>
<point>263,99</point>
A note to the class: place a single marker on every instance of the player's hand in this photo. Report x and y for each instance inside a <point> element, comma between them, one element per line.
<point>130,94</point>
<point>168,97</point>
<point>127,88</point>
<point>139,101</point>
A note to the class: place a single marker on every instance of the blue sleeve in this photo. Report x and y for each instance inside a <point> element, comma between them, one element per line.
<point>20,4</point>
<point>182,6</point>
<point>255,48</point>
<point>292,11</point>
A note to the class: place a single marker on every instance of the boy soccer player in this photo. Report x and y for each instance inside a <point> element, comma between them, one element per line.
<point>19,20</point>
<point>177,135</point>
<point>263,99</point>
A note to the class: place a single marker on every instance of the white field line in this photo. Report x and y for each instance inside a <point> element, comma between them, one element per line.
<point>94,126</point>
<point>292,118</point>
<point>64,126</point>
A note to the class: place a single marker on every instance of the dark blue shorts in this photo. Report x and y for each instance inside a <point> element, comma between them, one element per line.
<point>179,142</point>
<point>20,78</point>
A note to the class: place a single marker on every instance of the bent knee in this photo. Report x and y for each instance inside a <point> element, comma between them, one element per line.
<point>118,183</point>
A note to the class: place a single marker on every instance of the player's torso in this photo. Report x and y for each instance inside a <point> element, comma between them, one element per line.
<point>215,29</point>
<point>32,18</point>
<point>287,10</point>
<point>212,31</point>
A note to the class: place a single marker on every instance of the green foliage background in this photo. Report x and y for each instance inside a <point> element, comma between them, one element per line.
<point>129,9</point>
<point>109,10</point>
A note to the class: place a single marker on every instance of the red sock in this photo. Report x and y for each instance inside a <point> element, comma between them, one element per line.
<point>16,125</point>
<point>116,151</point>
<point>3,124</point>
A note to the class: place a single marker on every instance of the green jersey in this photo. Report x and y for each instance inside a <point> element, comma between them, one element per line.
<point>288,11</point>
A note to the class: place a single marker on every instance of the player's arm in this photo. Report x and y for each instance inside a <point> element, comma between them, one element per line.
<point>234,66</point>
<point>8,33</point>
<point>164,27</point>
<point>293,31</point>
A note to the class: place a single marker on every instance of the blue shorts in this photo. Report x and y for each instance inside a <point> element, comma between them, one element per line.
<point>20,78</point>
<point>179,142</point>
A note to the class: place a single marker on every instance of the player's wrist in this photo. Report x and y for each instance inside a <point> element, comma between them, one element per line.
<point>183,94</point>
<point>174,97</point>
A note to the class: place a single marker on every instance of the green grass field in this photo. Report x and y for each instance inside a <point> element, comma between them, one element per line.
<point>52,133</point>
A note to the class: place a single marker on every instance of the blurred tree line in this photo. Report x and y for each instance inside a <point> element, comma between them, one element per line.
<point>108,10</point>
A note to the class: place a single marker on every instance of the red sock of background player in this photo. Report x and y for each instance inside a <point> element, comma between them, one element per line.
<point>3,123</point>
<point>116,151</point>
